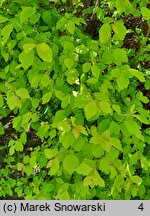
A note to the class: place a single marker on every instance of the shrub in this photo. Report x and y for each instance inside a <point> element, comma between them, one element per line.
<point>74,99</point>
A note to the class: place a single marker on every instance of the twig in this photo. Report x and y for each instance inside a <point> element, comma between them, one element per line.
<point>96,4</point>
<point>63,6</point>
<point>148,32</point>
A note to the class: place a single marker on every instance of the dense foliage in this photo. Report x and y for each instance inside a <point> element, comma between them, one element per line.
<point>74,99</point>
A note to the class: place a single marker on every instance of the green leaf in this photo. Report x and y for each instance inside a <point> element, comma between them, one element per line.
<point>5,32</point>
<point>119,30</point>
<point>22,93</point>
<point>44,52</point>
<point>28,170</point>
<point>105,107</point>
<point>92,80</point>
<point>69,63</point>
<point>133,128</point>
<point>70,163</point>
<point>62,193</point>
<point>116,143</point>
<point>33,160</point>
<point>26,117</point>
<point>137,74</point>
<point>67,139</point>
<point>117,107</point>
<point>3,19</point>
<point>128,3</point>
<point>83,169</point>
<point>18,146</point>
<point>59,116</point>
<point>45,80</point>
<point>123,79</point>
<point>47,16</point>
<point>13,101</point>
<point>26,159</point>
<point>81,49</point>
<point>102,139</point>
<point>34,80</point>
<point>26,59</point>
<point>46,97</point>
<point>1,129</point>
<point>17,122</point>
<point>64,126</point>
<point>65,101</point>
<point>86,67</point>
<point>42,161</point>
<point>105,33</point>
<point>28,47</point>
<point>124,7</point>
<point>52,133</point>
<point>119,56</point>
<point>95,71</point>
<point>61,24</point>
<point>107,57</point>
<point>114,128</point>
<point>64,196</point>
<point>97,151</point>
<point>70,27</point>
<point>145,163</point>
<point>90,110</point>
<point>54,167</point>
<point>94,180</point>
<point>19,166</point>
<point>43,130</point>
<point>145,13</point>
<point>77,130</point>
<point>119,181</point>
<point>34,18</point>
<point>26,13</point>
<point>1,101</point>
<point>136,179</point>
<point>134,158</point>
<point>82,99</point>
<point>95,139</point>
<point>103,125</point>
<point>50,153</point>
<point>23,138</point>
<point>35,103</point>
<point>72,76</point>
<point>105,140</point>
<point>12,150</point>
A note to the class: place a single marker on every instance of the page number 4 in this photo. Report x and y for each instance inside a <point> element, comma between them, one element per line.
<point>141,207</point>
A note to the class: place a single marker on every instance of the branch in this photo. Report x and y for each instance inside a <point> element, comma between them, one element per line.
<point>96,4</point>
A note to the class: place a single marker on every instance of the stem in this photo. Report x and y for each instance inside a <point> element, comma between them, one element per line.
<point>148,32</point>
<point>96,4</point>
<point>63,6</point>
<point>70,4</point>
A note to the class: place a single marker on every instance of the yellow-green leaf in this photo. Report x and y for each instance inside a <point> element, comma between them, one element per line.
<point>5,32</point>
<point>83,169</point>
<point>105,107</point>
<point>26,13</point>
<point>3,19</point>
<point>145,13</point>
<point>28,47</point>
<point>90,109</point>
<point>46,97</point>
<point>22,93</point>
<point>70,163</point>
<point>136,179</point>
<point>116,143</point>
<point>70,27</point>
<point>44,52</point>
<point>105,33</point>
